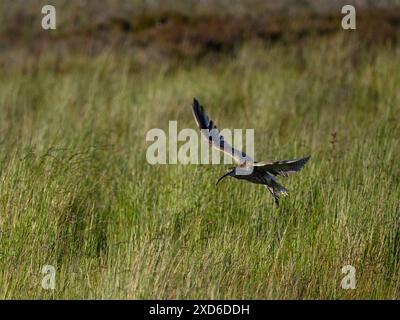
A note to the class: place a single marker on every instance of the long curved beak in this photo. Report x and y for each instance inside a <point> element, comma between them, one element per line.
<point>225,175</point>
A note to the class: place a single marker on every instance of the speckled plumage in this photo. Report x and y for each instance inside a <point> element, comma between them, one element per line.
<point>256,172</point>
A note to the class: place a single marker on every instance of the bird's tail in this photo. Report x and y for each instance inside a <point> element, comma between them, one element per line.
<point>276,190</point>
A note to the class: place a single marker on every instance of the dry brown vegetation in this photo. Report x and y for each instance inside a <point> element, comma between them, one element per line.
<point>168,35</point>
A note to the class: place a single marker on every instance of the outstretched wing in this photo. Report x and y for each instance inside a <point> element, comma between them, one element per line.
<point>283,167</point>
<point>213,136</point>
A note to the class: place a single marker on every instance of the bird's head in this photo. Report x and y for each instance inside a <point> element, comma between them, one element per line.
<point>230,172</point>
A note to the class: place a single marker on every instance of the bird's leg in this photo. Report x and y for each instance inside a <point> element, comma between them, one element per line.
<point>272,191</point>
<point>276,198</point>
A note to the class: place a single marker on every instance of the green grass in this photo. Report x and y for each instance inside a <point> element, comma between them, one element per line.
<point>77,193</point>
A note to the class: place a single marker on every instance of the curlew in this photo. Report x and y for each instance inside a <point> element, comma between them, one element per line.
<point>263,173</point>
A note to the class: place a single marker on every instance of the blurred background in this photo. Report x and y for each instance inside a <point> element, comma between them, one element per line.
<point>155,31</point>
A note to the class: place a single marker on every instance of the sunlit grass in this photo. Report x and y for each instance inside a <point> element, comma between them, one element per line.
<point>77,193</point>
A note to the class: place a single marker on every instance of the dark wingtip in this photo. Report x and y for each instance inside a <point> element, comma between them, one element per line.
<point>196,108</point>
<point>305,159</point>
<point>199,115</point>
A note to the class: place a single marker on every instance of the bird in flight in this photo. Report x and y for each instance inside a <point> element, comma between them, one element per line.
<point>256,172</point>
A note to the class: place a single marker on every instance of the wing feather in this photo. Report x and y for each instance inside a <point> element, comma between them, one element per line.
<point>213,136</point>
<point>283,167</point>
